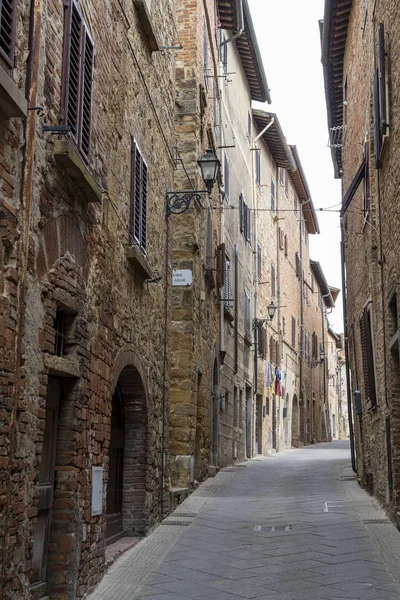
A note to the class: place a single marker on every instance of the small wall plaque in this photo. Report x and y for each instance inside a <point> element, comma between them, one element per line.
<point>97,490</point>
<point>182,278</point>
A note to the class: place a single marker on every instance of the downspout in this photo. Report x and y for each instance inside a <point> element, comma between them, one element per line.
<point>346,351</point>
<point>278,296</point>
<point>255,266</point>
<point>302,336</point>
<point>240,24</point>
<point>26,202</point>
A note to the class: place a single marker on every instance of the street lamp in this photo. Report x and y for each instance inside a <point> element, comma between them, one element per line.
<point>271,310</point>
<point>179,201</point>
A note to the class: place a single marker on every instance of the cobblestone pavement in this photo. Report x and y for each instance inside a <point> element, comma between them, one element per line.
<point>291,527</point>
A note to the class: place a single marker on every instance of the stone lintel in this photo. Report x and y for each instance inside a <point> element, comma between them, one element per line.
<point>12,101</point>
<point>61,366</point>
<point>138,260</point>
<point>67,155</point>
<point>143,10</point>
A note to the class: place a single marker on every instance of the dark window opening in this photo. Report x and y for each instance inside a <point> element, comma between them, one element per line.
<point>64,341</point>
<point>139,188</point>
<point>8,18</point>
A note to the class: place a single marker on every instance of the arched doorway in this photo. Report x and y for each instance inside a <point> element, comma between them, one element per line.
<point>295,422</point>
<point>302,420</point>
<point>127,510</point>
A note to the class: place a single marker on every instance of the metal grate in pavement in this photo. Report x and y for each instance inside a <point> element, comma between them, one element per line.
<point>185,514</point>
<point>272,528</point>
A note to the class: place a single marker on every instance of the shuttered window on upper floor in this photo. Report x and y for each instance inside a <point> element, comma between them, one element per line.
<point>139,191</point>
<point>258,167</point>
<point>272,195</point>
<point>226,175</point>
<point>368,357</point>
<point>8,19</point>
<point>247,319</point>
<point>77,77</point>
<point>293,332</point>
<point>273,281</point>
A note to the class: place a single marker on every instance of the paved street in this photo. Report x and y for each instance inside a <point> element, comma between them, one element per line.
<point>291,527</point>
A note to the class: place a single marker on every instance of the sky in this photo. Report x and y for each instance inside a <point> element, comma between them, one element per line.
<point>289,40</point>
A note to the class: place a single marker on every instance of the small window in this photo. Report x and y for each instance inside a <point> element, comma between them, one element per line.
<point>8,20</point>
<point>272,195</point>
<point>293,332</point>
<point>286,184</point>
<point>139,188</point>
<point>368,357</point>
<point>77,78</point>
<point>286,245</point>
<point>249,126</point>
<point>295,203</point>
<point>258,167</point>
<point>63,326</point>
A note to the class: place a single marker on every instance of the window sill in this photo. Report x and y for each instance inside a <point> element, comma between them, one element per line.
<point>147,24</point>
<point>60,366</point>
<point>137,259</point>
<point>210,278</point>
<point>67,156</point>
<point>248,340</point>
<point>12,101</point>
<point>394,342</point>
<point>228,314</point>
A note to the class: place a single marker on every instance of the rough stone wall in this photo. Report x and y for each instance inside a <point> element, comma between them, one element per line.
<point>195,319</point>
<point>372,269</point>
<point>77,258</point>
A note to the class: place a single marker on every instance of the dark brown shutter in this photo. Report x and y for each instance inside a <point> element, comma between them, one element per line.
<point>262,342</point>
<point>293,332</point>
<point>258,167</point>
<point>382,79</point>
<point>248,224</point>
<point>87,80</point>
<point>273,281</point>
<point>8,18</point>
<point>221,265</point>
<point>242,213</point>
<point>297,265</point>
<point>139,190</point>
<point>236,326</point>
<point>377,130</point>
<point>286,244</point>
<point>73,70</point>
<point>368,357</point>
<point>209,257</point>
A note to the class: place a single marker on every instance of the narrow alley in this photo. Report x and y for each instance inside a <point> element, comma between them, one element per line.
<point>291,527</point>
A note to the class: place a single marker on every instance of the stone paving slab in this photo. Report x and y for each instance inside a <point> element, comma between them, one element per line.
<point>295,527</point>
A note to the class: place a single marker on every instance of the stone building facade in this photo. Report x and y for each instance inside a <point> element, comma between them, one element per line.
<point>362,101</point>
<point>84,285</point>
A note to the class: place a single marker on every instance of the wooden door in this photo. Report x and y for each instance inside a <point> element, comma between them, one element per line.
<point>46,481</point>
<point>116,466</point>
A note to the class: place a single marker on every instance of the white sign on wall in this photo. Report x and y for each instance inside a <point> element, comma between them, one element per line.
<point>182,278</point>
<point>97,490</point>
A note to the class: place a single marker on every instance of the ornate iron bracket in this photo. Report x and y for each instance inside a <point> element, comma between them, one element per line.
<point>179,202</point>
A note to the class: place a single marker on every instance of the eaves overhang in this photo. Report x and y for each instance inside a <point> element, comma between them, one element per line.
<point>274,139</point>
<point>333,41</point>
<point>322,284</point>
<point>303,193</point>
<point>247,47</point>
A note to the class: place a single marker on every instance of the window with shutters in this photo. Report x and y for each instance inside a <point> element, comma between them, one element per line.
<point>8,21</point>
<point>221,266</point>
<point>281,238</point>
<point>293,332</point>
<point>272,195</point>
<point>368,357</point>
<point>139,190</point>
<point>247,319</point>
<point>77,78</point>
<point>205,50</point>
<point>286,242</point>
<point>273,281</point>
<point>258,167</point>
<point>259,262</point>
<point>226,175</point>
<point>249,126</point>
<point>286,184</point>
<point>209,257</point>
<point>242,213</point>
<point>277,352</point>
<point>227,284</point>
<point>248,225</point>
<point>262,341</point>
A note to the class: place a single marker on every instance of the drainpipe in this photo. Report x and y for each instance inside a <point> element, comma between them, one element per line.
<point>302,336</point>
<point>278,294</point>
<point>240,24</point>
<point>346,350</point>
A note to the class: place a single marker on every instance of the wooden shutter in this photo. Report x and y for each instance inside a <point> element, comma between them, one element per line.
<point>205,50</point>
<point>248,224</point>
<point>294,332</point>
<point>8,19</point>
<point>242,210</point>
<point>259,262</point>
<point>383,120</point>
<point>221,265</point>
<point>273,286</point>
<point>281,238</point>
<point>139,191</point>
<point>227,283</point>
<point>377,130</point>
<point>209,257</point>
<point>247,313</point>
<point>258,167</point>
<point>236,325</point>
<point>368,357</point>
<point>286,244</point>
<point>262,341</point>
<point>77,78</point>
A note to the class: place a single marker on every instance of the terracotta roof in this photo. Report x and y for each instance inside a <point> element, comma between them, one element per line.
<point>274,139</point>
<point>334,35</point>
<point>303,192</point>
<point>247,47</point>
<point>322,284</point>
